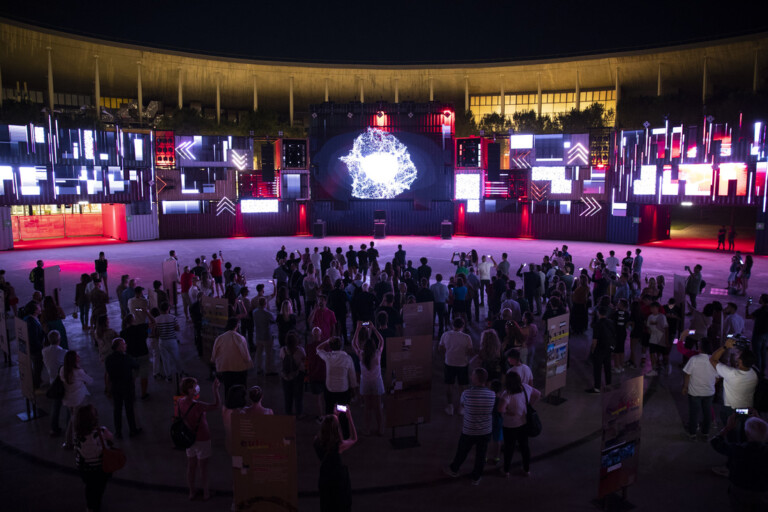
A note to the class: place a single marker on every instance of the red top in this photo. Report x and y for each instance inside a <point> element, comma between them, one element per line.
<point>326,321</point>
<point>315,365</point>
<point>196,419</point>
<point>186,281</point>
<point>216,268</point>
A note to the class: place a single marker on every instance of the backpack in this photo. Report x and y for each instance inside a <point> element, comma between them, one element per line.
<point>182,436</point>
<point>760,400</point>
<point>290,368</point>
<point>32,276</point>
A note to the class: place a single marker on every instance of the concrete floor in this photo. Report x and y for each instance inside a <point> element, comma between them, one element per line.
<point>674,472</point>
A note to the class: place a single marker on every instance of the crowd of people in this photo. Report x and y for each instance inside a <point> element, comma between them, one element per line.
<point>489,325</point>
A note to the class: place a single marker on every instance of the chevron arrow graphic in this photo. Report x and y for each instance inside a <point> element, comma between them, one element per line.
<point>225,205</point>
<point>593,207</point>
<point>578,154</point>
<point>239,161</point>
<point>184,150</point>
<point>540,192</point>
<point>158,178</point>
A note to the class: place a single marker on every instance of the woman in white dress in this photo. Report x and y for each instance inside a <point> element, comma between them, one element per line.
<point>368,345</point>
<point>75,390</point>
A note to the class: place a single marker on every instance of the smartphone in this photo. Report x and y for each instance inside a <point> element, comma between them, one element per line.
<point>729,336</point>
<point>365,324</point>
<point>742,411</point>
<point>691,332</point>
<point>343,408</point>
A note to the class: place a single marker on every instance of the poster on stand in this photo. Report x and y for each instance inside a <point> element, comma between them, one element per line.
<point>264,463</point>
<point>418,319</point>
<point>215,314</point>
<point>25,362</point>
<point>556,340</point>
<point>52,279</point>
<point>620,446</point>
<point>408,380</point>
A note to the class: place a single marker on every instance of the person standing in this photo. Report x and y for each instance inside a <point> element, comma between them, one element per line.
<point>368,345</point>
<point>119,289</point>
<point>658,330</point>
<point>517,366</point>
<point>440,293</point>
<point>323,317</point>
<point>513,406</point>
<point>100,266</point>
<point>53,357</point>
<point>75,390</point>
<point>487,263</point>
<point>174,278</point>
<point>457,348</point>
<point>264,343</point>
<point>693,285</point>
<point>340,375</point>
<point>721,238</point>
<point>334,483</point>
<point>120,367</point>
<point>362,260</point>
<point>167,326</point>
<point>135,336</point>
<point>185,282</point>
<point>603,338</point>
<point>732,238</point>
<point>35,340</point>
<point>194,411</point>
<point>478,402</point>
<point>292,374</point>
<point>231,358</point>
<point>90,440</point>
<point>699,378</point>
<point>759,331</point>
<point>738,383</point>
<point>37,277</point>
<point>83,300</point>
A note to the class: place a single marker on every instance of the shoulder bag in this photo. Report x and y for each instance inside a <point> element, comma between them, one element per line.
<point>112,459</point>
<point>182,435</point>
<point>56,391</point>
<point>532,420</point>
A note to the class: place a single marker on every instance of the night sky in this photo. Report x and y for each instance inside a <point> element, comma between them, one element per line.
<point>393,32</point>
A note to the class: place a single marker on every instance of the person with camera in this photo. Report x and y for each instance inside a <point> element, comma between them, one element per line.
<point>738,383</point>
<point>759,330</point>
<point>334,483</point>
<point>747,462</point>
<point>699,378</point>
<point>693,284</point>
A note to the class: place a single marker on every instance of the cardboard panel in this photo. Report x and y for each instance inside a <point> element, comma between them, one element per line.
<point>25,362</point>
<point>408,380</point>
<point>215,315</point>
<point>52,276</point>
<point>620,446</point>
<point>264,463</point>
<point>170,276</point>
<point>418,319</point>
<point>556,337</point>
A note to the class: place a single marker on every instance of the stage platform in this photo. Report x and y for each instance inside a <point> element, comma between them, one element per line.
<point>674,472</point>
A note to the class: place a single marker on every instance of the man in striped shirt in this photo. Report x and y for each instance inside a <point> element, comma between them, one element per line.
<point>167,327</point>
<point>478,402</point>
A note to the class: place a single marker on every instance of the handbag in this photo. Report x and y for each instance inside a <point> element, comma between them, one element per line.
<point>182,436</point>
<point>532,420</point>
<point>112,458</point>
<point>56,391</point>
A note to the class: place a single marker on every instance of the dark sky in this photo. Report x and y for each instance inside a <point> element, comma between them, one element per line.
<point>394,32</point>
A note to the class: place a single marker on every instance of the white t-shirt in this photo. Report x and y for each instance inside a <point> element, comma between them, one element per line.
<point>703,376</point>
<point>457,348</point>
<point>525,373</point>
<point>315,259</point>
<point>656,325</point>
<point>53,358</point>
<point>738,386</point>
<point>484,270</point>
<point>611,262</point>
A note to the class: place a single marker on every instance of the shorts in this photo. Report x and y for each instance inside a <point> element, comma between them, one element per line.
<point>645,339</point>
<point>618,346</point>
<point>102,275</point>
<point>659,349</point>
<point>316,387</point>
<point>185,299</point>
<point>457,373</point>
<point>200,450</point>
<point>144,369</point>
<point>218,279</point>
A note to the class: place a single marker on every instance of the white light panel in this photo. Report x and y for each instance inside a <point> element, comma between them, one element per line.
<point>521,141</point>
<point>556,175</point>
<point>473,206</point>
<point>646,185</point>
<point>467,186</point>
<point>259,206</point>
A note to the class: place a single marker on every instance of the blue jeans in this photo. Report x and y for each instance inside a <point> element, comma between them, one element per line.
<point>758,347</point>
<point>466,442</point>
<point>698,404</point>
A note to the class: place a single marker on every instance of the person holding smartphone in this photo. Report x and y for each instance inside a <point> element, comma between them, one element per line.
<point>738,383</point>
<point>334,483</point>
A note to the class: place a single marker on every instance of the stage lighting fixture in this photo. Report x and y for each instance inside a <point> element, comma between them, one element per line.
<point>447,114</point>
<point>380,114</point>
<point>380,166</point>
<point>314,115</point>
<point>349,115</point>
<point>410,115</point>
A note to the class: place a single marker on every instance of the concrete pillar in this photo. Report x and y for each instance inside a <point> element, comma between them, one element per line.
<point>326,90</point>
<point>50,79</point>
<point>502,99</point>
<point>538,96</point>
<point>218,99</point>
<point>755,82</point>
<point>290,100</point>
<point>140,94</point>
<point>431,89</point>
<point>181,97</point>
<point>466,93</point>
<point>618,85</point>
<point>97,87</point>
<point>397,90</point>
<point>255,95</point>
<point>578,92</point>
<point>658,82</point>
<point>704,84</point>
<point>362,92</point>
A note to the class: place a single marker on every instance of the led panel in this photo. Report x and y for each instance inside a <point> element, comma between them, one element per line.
<point>646,185</point>
<point>522,141</point>
<point>473,206</point>
<point>556,175</point>
<point>259,206</point>
<point>697,177</point>
<point>733,171</point>
<point>468,186</point>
